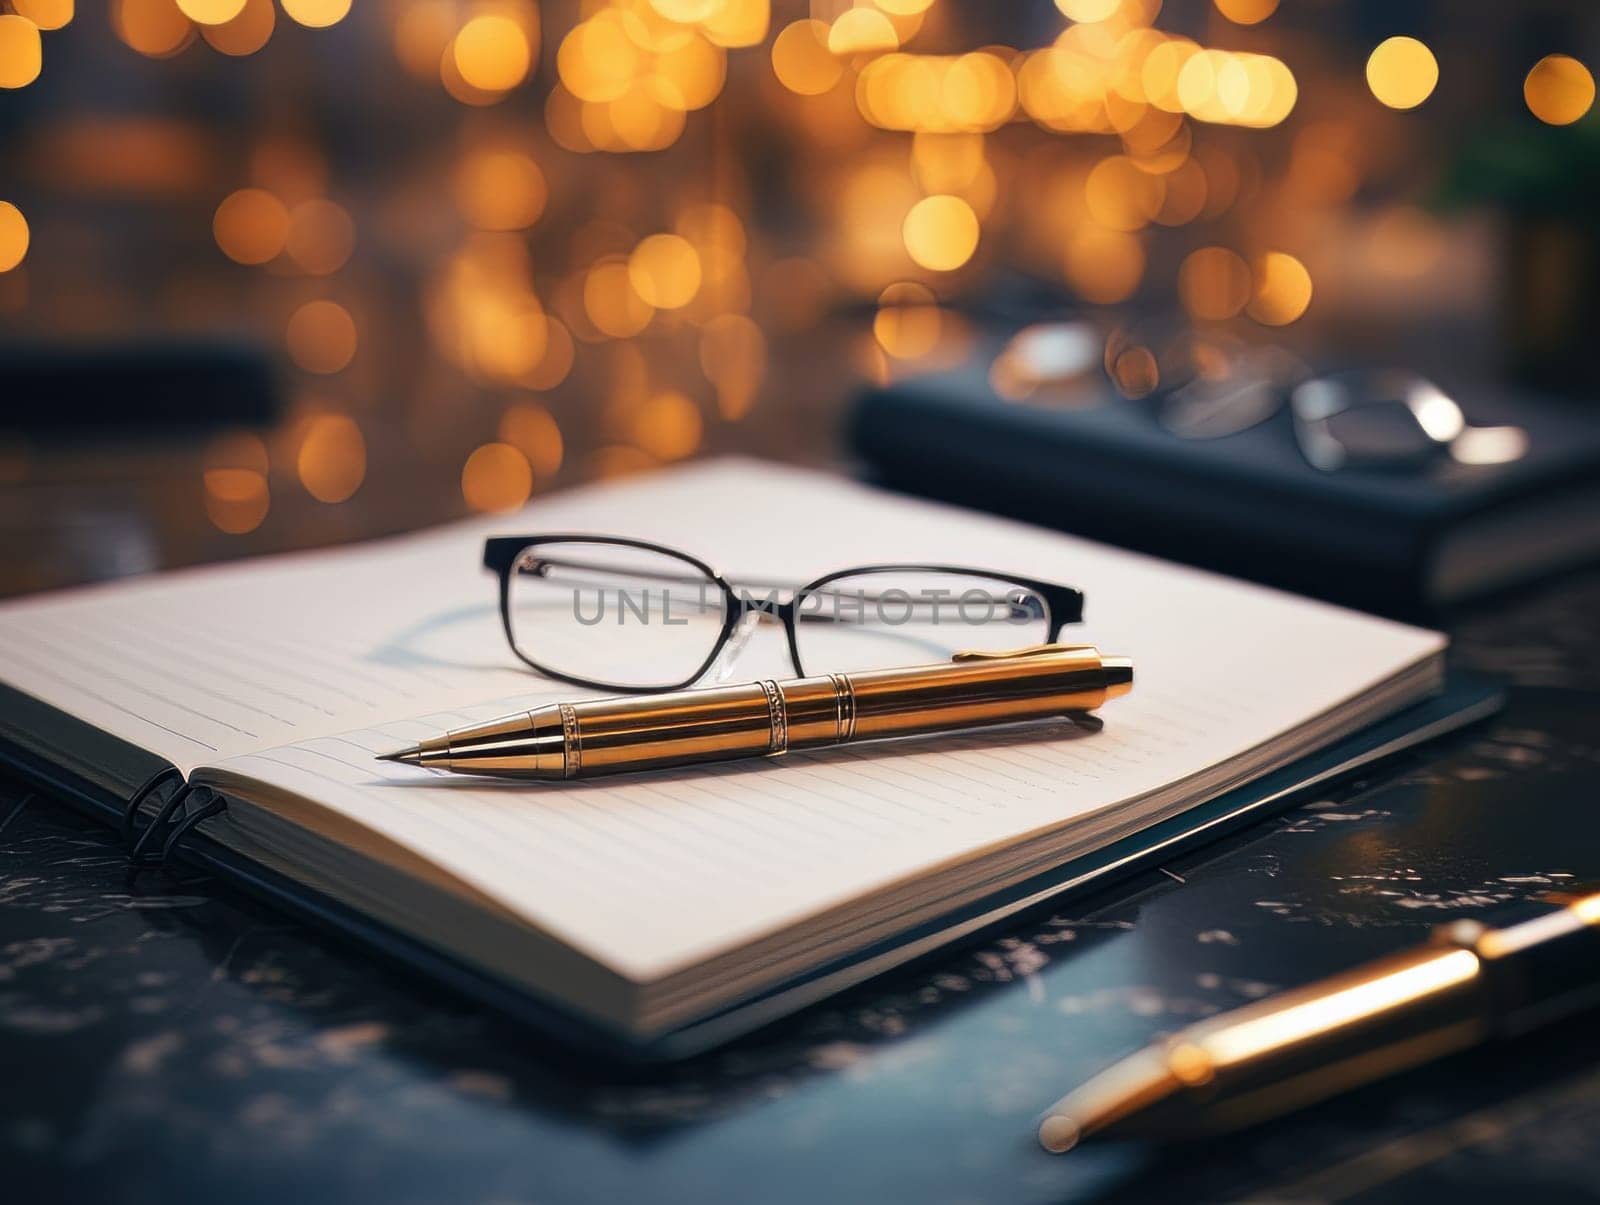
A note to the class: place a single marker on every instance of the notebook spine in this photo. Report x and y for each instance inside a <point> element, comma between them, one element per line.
<point>151,845</point>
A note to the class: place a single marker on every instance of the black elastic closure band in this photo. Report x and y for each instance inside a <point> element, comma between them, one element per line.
<point>179,814</point>
<point>151,785</point>
<point>214,805</point>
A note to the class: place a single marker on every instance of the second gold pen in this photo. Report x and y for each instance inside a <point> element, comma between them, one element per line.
<point>769,718</point>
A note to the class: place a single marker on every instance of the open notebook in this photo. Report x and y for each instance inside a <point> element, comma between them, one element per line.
<point>644,903</point>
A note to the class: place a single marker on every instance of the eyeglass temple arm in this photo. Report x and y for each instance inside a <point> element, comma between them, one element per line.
<point>536,568</point>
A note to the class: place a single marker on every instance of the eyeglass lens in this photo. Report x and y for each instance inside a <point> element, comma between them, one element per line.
<point>612,613</point>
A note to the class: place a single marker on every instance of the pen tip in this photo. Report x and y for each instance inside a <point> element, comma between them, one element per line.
<point>1058,1133</point>
<point>406,757</point>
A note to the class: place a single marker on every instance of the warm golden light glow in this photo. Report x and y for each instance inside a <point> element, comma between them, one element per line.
<point>687,76</point>
<point>496,477</point>
<point>532,430</point>
<point>1402,72</point>
<point>1121,196</point>
<point>235,483</point>
<point>895,149</point>
<point>492,53</point>
<point>556,363</point>
<point>46,14</point>
<point>738,23</point>
<point>941,232</point>
<point>246,33</point>
<point>638,120</point>
<point>712,225</point>
<point>1559,90</point>
<point>321,237</point>
<point>1247,12</point>
<point>615,460</point>
<point>801,59</point>
<point>862,31</point>
<point>1282,289</point>
<point>236,500</point>
<point>733,357</point>
<point>211,12</point>
<point>1213,283</point>
<point>507,337</point>
<point>318,14</point>
<point>868,208</point>
<point>500,190</point>
<point>668,426</point>
<point>1161,69</point>
<point>422,34</point>
<point>937,93</point>
<point>322,337</point>
<point>21,51</point>
<point>1326,164</point>
<point>687,12</point>
<point>251,226</point>
<point>1236,89</point>
<point>1088,11</point>
<point>155,28</point>
<point>907,323</point>
<point>611,301</point>
<point>1301,1022</point>
<point>332,461</point>
<point>724,284</point>
<point>14,236</point>
<point>597,60</point>
<point>665,271</point>
<point>1103,266</point>
<point>946,162</point>
<point>484,312</point>
<point>634,76</point>
<point>1184,194</point>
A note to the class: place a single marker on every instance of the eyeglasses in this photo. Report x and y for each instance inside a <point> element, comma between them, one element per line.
<point>1206,385</point>
<point>620,614</point>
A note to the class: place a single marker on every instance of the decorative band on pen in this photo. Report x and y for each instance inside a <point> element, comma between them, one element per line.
<point>778,717</point>
<point>844,707</point>
<point>571,742</point>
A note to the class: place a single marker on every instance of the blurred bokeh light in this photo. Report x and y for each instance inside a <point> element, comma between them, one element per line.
<point>499,245</point>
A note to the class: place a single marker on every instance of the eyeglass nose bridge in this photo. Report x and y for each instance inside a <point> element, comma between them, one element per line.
<point>737,641</point>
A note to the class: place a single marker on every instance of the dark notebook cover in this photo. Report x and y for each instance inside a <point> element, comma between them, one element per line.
<point>1247,504</point>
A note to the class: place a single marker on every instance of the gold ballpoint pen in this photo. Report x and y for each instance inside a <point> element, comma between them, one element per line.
<point>1468,985</point>
<point>769,718</point>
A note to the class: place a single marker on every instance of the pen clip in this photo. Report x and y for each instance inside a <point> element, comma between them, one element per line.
<point>1033,650</point>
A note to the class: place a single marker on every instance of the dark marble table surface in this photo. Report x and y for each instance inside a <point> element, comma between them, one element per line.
<point>167,1039</point>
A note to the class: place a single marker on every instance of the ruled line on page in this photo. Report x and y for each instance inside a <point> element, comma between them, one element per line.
<point>691,849</point>
<point>479,829</point>
<point>184,652</point>
<point>194,681</point>
<point>180,640</point>
<point>654,871</point>
<point>114,704</point>
<point>103,674</point>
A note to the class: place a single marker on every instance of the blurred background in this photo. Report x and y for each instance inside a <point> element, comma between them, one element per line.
<point>278,273</point>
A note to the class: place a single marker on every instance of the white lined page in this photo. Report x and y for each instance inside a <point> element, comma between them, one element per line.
<point>296,670</point>
<point>207,663</point>
<point>649,873</point>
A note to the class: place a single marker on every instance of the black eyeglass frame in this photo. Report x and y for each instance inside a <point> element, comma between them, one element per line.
<point>1063,604</point>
